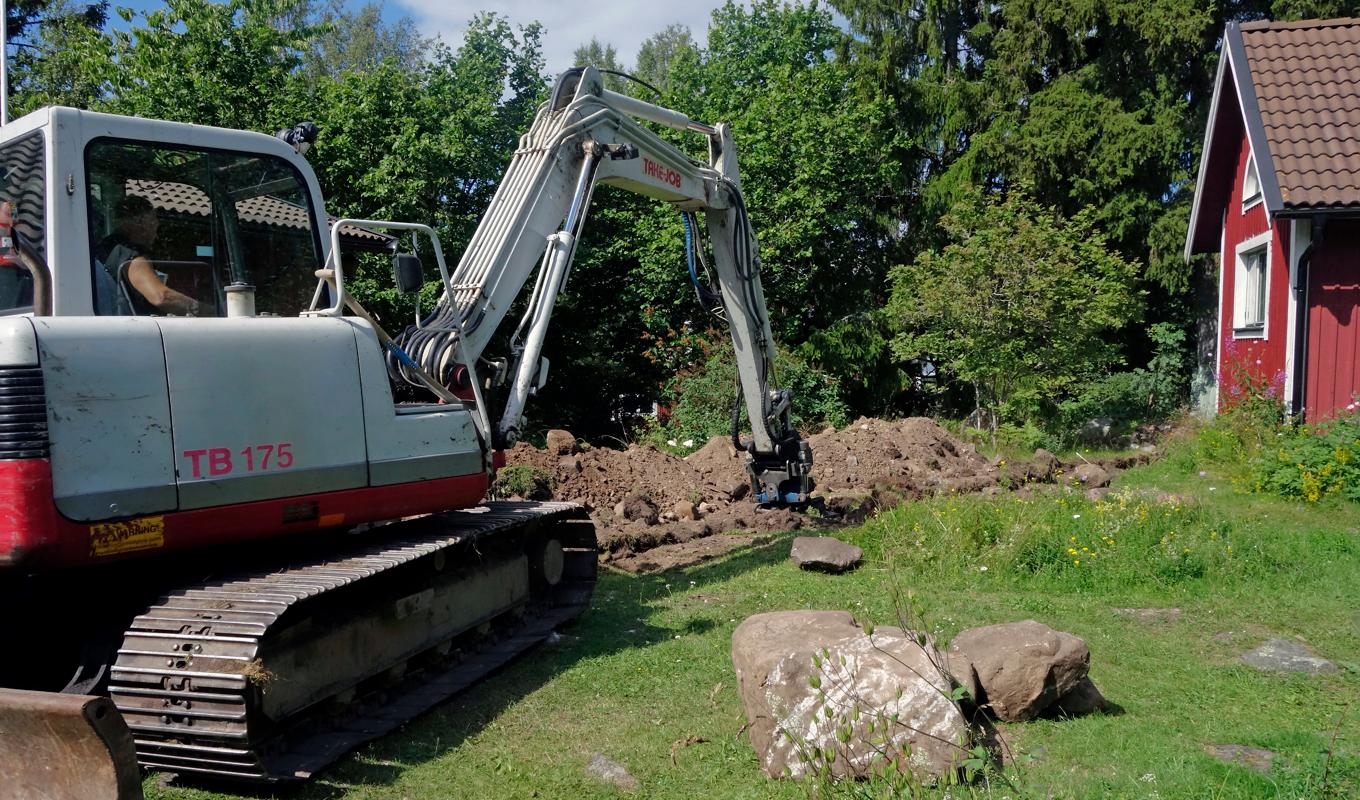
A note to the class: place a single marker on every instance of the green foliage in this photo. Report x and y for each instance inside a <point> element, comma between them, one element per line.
<point>522,480</point>
<point>664,51</point>
<point>704,396</point>
<point>1122,542</point>
<point>1147,393</point>
<point>1020,304</point>
<point>857,352</point>
<point>1313,461</point>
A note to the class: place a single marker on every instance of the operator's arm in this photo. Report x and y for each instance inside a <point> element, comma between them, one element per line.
<point>147,283</point>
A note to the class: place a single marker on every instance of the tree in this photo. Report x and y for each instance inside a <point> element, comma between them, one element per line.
<point>1020,304</point>
<point>349,40</point>
<point>600,55</point>
<point>661,52</point>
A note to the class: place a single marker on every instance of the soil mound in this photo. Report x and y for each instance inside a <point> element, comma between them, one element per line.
<point>871,463</point>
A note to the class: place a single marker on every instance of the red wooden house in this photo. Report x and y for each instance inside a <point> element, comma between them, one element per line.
<point>1278,199</point>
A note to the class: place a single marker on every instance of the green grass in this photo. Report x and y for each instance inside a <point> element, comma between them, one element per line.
<point>649,666</point>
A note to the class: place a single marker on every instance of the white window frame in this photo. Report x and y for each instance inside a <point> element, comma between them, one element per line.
<point>1251,175</point>
<point>1242,328</point>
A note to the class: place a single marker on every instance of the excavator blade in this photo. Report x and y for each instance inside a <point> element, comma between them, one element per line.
<point>65,747</point>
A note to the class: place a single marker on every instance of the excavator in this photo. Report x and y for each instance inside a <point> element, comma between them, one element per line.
<point>244,527</point>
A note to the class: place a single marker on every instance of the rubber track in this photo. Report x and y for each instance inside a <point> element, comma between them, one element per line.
<point>180,678</point>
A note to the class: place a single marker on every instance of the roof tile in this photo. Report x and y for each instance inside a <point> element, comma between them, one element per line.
<point>1307,80</point>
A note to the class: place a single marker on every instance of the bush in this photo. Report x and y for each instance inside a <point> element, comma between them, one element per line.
<point>521,480</point>
<point>1128,398</point>
<point>1313,461</point>
<point>703,396</point>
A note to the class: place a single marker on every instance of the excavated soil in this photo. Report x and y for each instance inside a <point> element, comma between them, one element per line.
<point>655,511</point>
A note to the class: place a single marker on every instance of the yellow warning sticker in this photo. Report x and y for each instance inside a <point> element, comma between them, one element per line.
<point>112,538</point>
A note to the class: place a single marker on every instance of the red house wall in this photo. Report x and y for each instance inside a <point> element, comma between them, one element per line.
<point>1333,376</point>
<point>1261,360</point>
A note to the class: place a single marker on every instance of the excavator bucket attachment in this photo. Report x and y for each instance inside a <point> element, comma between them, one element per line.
<point>65,747</point>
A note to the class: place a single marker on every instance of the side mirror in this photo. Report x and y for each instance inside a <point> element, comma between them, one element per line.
<point>408,272</point>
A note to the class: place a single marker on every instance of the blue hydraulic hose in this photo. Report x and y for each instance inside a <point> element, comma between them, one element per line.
<point>689,251</point>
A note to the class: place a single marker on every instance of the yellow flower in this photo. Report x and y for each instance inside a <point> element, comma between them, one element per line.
<point>1077,562</point>
<point>1071,551</point>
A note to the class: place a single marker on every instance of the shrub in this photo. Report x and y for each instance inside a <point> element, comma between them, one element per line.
<point>704,395</point>
<point>522,480</point>
<point>1128,398</point>
<point>1313,461</point>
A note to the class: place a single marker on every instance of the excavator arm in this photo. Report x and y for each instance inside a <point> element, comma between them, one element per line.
<point>583,136</point>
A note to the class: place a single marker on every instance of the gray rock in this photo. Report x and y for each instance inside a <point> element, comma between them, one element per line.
<point>561,442</point>
<point>1022,667</point>
<point>1097,494</point>
<point>825,554</point>
<point>785,693</point>
<point>1150,615</point>
<point>1092,476</point>
<point>611,771</point>
<point>1254,758</point>
<point>1282,655</point>
<point>737,490</point>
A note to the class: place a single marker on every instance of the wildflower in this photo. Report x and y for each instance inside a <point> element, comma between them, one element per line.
<point>1076,562</point>
<point>1071,551</point>
<point>982,568</point>
<point>688,443</point>
<point>1076,516</point>
<point>670,442</point>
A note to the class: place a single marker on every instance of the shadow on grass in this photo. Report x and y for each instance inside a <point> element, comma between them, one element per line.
<point>606,628</point>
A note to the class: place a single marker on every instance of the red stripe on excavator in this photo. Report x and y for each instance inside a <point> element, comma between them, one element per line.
<point>32,532</point>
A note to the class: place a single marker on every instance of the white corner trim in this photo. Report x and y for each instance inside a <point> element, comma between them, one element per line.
<point>1300,236</point>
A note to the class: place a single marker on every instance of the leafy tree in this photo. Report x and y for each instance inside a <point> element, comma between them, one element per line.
<point>46,68</point>
<point>661,52</point>
<point>600,55</point>
<point>361,39</point>
<point>1020,304</point>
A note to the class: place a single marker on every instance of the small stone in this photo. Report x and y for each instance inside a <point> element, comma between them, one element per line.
<point>618,509</point>
<point>572,464</point>
<point>1282,655</point>
<point>666,517</point>
<point>1022,667</point>
<point>738,489</point>
<point>707,508</point>
<point>685,510</point>
<point>561,442</point>
<point>1045,464</point>
<point>611,771</point>
<point>1150,615</point>
<point>1254,758</point>
<point>825,554</point>
<point>852,461</point>
<point>1097,494</point>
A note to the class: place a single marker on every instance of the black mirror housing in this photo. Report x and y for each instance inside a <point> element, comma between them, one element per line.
<point>408,272</point>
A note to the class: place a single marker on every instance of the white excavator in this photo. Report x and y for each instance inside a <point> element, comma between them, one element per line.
<point>243,527</point>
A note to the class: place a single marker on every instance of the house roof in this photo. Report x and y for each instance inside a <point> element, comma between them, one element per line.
<point>261,209</point>
<point>1295,89</point>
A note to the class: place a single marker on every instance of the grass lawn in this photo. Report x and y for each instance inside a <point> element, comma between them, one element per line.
<point>648,668</point>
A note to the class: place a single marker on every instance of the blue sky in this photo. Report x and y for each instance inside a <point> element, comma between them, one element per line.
<point>568,24</point>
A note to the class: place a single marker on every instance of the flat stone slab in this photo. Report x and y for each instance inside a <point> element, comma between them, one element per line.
<point>1254,758</point>
<point>1150,615</point>
<point>1282,655</point>
<point>825,554</point>
<point>688,554</point>
<point>611,771</point>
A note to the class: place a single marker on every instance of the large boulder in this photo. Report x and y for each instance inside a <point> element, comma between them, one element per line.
<point>825,554</point>
<point>1021,668</point>
<point>886,695</point>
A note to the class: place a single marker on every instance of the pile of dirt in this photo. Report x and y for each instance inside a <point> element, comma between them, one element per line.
<point>644,500</point>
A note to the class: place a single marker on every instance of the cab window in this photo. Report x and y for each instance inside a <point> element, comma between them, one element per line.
<point>171,228</point>
<point>23,211</point>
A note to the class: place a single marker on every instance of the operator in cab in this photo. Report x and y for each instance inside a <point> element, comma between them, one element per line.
<point>124,254</point>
